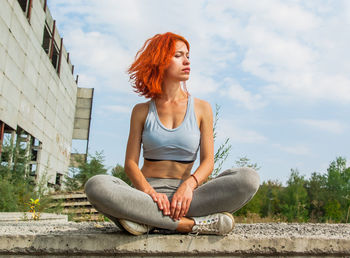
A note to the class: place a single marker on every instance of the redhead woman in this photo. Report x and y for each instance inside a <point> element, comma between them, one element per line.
<point>171,128</point>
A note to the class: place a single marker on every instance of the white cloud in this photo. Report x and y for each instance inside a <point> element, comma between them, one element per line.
<point>269,50</point>
<point>117,109</point>
<point>281,42</point>
<point>243,97</point>
<point>229,129</point>
<point>101,58</point>
<point>200,85</point>
<point>298,149</point>
<point>284,44</point>
<point>86,80</point>
<point>331,126</point>
<point>286,16</point>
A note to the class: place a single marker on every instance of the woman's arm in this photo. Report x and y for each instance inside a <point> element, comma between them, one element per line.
<point>134,147</point>
<point>132,156</point>
<point>207,144</point>
<point>184,192</point>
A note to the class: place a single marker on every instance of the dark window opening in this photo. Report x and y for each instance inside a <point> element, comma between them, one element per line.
<point>23,4</point>
<point>36,142</point>
<point>33,169</point>
<point>55,56</point>
<point>26,6</point>
<point>19,151</point>
<point>47,40</point>
<point>35,148</point>
<point>34,154</point>
<point>51,48</point>
<point>58,179</point>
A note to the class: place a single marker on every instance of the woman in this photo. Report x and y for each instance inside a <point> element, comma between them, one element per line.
<point>171,128</point>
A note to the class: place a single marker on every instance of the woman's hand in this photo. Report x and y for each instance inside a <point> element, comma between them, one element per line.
<point>181,201</point>
<point>161,200</point>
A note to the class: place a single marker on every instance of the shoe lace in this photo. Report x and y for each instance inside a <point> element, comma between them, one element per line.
<point>208,226</point>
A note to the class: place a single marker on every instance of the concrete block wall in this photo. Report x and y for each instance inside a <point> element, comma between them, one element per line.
<point>33,95</point>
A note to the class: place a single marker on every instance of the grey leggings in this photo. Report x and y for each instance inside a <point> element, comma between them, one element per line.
<point>114,198</point>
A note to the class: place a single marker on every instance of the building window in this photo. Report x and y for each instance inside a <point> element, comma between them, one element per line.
<point>26,6</point>
<point>58,179</point>
<point>23,4</point>
<point>19,151</point>
<point>32,169</point>
<point>51,47</point>
<point>35,146</point>
<point>47,39</point>
<point>55,56</point>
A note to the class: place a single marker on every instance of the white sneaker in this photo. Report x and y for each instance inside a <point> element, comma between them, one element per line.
<point>134,227</point>
<point>214,224</point>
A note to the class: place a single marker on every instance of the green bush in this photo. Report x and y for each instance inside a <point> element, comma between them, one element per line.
<point>322,198</point>
<point>86,169</point>
<point>118,171</point>
<point>15,189</point>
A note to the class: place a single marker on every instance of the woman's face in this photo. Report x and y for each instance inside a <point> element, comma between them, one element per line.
<point>179,67</point>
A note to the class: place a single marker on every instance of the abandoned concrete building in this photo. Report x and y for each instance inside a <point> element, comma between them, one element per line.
<point>41,107</point>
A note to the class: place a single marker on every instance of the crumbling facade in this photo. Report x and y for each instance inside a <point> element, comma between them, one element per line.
<point>38,91</point>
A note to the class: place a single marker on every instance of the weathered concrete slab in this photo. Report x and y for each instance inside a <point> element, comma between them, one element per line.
<point>22,217</point>
<point>105,239</point>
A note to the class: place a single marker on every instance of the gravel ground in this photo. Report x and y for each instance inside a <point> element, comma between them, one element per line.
<point>258,230</point>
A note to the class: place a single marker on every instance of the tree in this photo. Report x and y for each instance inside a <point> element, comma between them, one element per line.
<point>294,198</point>
<point>119,171</point>
<point>317,193</point>
<point>71,183</point>
<point>265,202</point>
<point>338,189</point>
<point>321,198</point>
<point>245,162</point>
<point>223,150</point>
<point>271,203</point>
<point>17,187</point>
<point>333,211</point>
<point>80,175</point>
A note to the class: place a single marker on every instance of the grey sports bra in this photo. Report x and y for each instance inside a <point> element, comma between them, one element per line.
<point>178,144</point>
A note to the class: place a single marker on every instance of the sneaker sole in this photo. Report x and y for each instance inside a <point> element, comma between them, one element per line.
<point>233,220</point>
<point>129,229</point>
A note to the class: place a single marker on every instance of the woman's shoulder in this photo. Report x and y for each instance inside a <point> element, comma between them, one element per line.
<point>140,110</point>
<point>139,107</point>
<point>202,105</point>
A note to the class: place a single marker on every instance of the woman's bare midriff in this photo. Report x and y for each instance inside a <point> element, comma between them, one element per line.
<point>166,169</point>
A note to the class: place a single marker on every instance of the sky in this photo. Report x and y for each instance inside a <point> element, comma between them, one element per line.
<point>279,70</point>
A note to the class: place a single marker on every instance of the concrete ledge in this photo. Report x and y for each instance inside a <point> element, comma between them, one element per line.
<point>104,239</point>
<point>19,217</point>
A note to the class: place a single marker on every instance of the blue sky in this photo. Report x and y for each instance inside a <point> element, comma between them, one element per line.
<point>280,70</point>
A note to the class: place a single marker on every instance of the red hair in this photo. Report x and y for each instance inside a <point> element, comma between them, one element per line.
<point>147,71</point>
